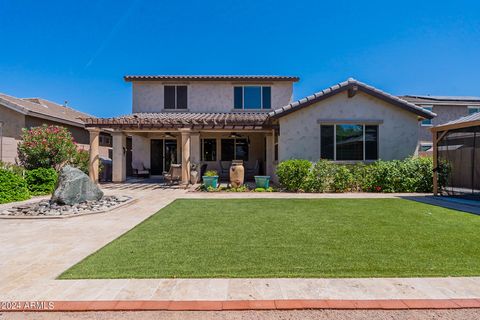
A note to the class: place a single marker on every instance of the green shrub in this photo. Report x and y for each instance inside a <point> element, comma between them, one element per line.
<point>19,170</point>
<point>319,177</point>
<point>410,175</point>
<point>41,181</point>
<point>13,187</point>
<point>292,173</point>
<point>81,160</point>
<point>342,179</point>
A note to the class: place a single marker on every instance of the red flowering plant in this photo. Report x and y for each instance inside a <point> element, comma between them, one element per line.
<point>46,147</point>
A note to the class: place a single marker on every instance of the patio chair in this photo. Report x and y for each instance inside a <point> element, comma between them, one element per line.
<point>224,170</point>
<point>174,174</point>
<point>203,169</point>
<point>253,171</point>
<point>139,169</point>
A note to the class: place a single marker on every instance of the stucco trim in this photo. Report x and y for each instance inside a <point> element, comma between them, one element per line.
<point>349,121</point>
<point>344,86</point>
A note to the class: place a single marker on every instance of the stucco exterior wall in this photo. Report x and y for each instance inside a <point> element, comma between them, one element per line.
<point>13,122</point>
<point>215,96</point>
<point>444,114</point>
<point>300,130</point>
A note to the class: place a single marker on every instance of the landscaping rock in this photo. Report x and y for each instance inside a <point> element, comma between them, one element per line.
<point>45,208</point>
<point>74,187</point>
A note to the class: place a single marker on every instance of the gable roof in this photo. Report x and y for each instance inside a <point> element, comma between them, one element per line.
<point>346,85</point>
<point>210,78</point>
<point>41,108</point>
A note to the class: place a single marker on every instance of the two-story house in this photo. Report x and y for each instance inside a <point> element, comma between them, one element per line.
<point>216,119</point>
<point>446,108</point>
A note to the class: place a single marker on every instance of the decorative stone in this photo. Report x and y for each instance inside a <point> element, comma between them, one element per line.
<point>74,186</point>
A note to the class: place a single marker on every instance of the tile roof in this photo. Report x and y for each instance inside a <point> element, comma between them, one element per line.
<point>470,118</point>
<point>41,108</point>
<point>210,78</point>
<point>227,120</point>
<point>351,83</point>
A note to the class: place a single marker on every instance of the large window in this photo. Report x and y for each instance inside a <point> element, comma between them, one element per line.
<point>349,142</point>
<point>252,97</point>
<point>234,149</point>
<point>472,110</point>
<point>427,122</point>
<point>175,97</point>
<point>209,150</point>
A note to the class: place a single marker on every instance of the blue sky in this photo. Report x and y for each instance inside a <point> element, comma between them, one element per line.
<point>80,50</point>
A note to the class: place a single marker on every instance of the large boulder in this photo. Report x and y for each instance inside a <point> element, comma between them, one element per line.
<point>74,186</point>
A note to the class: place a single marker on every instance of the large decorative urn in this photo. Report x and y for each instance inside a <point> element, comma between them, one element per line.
<point>237,173</point>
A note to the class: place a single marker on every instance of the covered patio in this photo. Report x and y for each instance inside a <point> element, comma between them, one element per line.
<point>162,139</point>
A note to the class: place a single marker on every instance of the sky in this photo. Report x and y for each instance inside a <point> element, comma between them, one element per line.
<point>79,51</point>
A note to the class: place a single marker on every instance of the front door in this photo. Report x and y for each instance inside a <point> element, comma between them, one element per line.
<point>162,154</point>
<point>156,156</point>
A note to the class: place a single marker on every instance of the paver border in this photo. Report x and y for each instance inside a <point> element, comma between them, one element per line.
<point>66,216</point>
<point>236,305</point>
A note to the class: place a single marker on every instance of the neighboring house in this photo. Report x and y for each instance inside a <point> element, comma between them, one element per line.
<point>19,113</point>
<point>217,119</point>
<point>447,108</point>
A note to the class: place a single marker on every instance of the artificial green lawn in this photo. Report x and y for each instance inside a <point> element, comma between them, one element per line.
<point>292,238</point>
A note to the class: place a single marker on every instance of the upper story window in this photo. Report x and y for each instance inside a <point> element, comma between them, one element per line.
<point>427,122</point>
<point>349,142</point>
<point>175,97</point>
<point>252,97</point>
<point>472,110</point>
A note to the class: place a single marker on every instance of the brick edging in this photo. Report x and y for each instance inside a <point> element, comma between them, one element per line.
<point>230,305</point>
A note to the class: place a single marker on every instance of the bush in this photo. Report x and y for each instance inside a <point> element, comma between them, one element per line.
<point>12,187</point>
<point>81,160</point>
<point>342,180</point>
<point>319,178</point>
<point>292,173</point>
<point>46,147</point>
<point>409,175</point>
<point>41,181</point>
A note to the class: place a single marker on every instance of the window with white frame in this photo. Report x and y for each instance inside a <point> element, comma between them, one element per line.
<point>252,97</point>
<point>349,142</point>
<point>473,109</point>
<point>175,97</point>
<point>427,122</point>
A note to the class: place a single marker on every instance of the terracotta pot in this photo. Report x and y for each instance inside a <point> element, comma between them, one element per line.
<point>237,174</point>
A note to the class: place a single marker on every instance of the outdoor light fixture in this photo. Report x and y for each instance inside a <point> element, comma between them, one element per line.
<point>234,135</point>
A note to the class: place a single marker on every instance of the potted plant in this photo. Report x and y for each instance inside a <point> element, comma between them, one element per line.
<point>210,179</point>
<point>262,182</point>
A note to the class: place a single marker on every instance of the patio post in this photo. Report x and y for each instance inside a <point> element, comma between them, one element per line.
<point>185,155</point>
<point>94,162</point>
<point>195,156</point>
<point>269,154</point>
<point>119,149</point>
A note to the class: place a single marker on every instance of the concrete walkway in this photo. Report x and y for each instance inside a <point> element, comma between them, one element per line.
<point>34,252</point>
